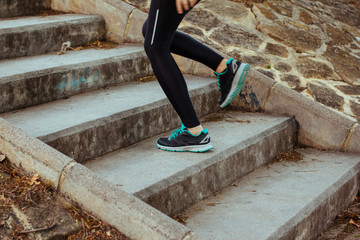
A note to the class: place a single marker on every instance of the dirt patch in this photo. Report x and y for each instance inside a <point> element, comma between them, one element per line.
<point>31,209</point>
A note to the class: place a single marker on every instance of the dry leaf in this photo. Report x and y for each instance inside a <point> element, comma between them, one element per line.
<point>354,223</point>
<point>2,158</point>
<point>34,180</point>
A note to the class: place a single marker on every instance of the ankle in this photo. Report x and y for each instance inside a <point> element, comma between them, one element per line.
<point>196,130</point>
<point>222,66</point>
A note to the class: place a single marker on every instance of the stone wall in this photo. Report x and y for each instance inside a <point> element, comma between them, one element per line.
<point>312,46</point>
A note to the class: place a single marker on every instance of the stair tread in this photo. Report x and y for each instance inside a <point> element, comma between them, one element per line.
<point>142,165</point>
<point>16,68</point>
<point>58,115</point>
<point>22,24</point>
<point>269,202</point>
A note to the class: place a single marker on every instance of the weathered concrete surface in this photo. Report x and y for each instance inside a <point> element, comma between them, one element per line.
<point>281,200</point>
<point>123,22</point>
<point>27,36</point>
<point>354,139</point>
<point>31,154</point>
<point>242,143</point>
<point>130,215</point>
<point>319,126</point>
<point>111,118</point>
<point>22,8</point>
<point>30,81</point>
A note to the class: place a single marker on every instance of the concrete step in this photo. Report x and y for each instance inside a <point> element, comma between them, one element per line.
<point>29,81</point>
<point>95,123</point>
<point>26,36</point>
<point>172,182</point>
<point>22,8</point>
<point>283,200</point>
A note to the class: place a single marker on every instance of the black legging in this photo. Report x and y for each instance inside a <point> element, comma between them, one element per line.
<point>161,38</point>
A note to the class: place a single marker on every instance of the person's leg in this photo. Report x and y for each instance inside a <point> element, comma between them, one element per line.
<point>161,26</point>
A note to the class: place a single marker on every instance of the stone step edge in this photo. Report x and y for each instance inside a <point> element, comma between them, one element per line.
<point>319,127</point>
<point>78,184</point>
<point>171,190</point>
<point>307,223</point>
<point>75,79</point>
<point>66,139</point>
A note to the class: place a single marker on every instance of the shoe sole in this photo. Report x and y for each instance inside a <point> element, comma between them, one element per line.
<point>238,83</point>
<point>193,148</point>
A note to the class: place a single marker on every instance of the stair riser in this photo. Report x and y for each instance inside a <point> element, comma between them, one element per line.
<point>76,79</point>
<point>102,136</point>
<point>36,40</point>
<point>192,187</point>
<point>10,8</point>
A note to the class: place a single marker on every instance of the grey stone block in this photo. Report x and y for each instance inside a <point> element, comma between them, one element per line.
<point>354,142</point>
<point>115,13</point>
<point>255,92</point>
<point>34,80</point>
<point>133,30</point>
<point>242,142</point>
<point>298,199</point>
<point>128,214</point>
<point>22,8</point>
<point>104,135</point>
<point>31,154</point>
<point>319,126</point>
<point>37,35</point>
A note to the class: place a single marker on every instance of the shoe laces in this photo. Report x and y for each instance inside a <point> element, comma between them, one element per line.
<point>222,73</point>
<point>176,132</point>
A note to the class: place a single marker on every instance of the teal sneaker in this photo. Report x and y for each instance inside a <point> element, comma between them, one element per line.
<point>231,80</point>
<point>181,140</point>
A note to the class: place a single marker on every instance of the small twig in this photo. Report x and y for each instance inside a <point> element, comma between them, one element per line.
<point>39,229</point>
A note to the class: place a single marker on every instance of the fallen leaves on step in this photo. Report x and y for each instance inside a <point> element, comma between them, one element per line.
<point>354,223</point>
<point>212,204</point>
<point>34,180</point>
<point>64,46</point>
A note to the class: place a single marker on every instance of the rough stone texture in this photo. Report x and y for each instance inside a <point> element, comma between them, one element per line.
<point>292,80</point>
<point>298,39</point>
<point>236,34</point>
<point>115,13</point>
<point>182,180</point>
<point>35,80</point>
<point>280,193</point>
<point>276,49</point>
<point>349,90</point>
<point>109,121</point>
<point>319,127</point>
<point>355,108</point>
<point>283,67</point>
<point>22,8</point>
<point>255,92</point>
<point>346,65</point>
<point>326,96</point>
<point>29,36</point>
<point>310,68</point>
<point>354,141</point>
<point>131,216</point>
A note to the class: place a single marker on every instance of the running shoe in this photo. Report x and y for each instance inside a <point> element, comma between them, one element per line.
<point>231,80</point>
<point>181,140</point>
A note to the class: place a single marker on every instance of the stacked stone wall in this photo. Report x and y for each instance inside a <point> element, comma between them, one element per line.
<point>311,46</point>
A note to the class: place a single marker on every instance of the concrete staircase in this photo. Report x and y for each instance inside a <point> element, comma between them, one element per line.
<point>92,106</point>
